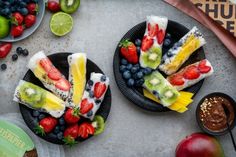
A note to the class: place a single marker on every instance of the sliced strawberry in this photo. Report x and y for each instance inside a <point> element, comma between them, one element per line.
<point>63,84</point>
<point>177,80</point>
<point>203,68</point>
<point>86,129</point>
<point>152,30</point>
<point>191,72</point>
<point>54,74</point>
<point>85,106</point>
<point>160,36</point>
<point>99,89</point>
<point>146,43</point>
<point>46,64</point>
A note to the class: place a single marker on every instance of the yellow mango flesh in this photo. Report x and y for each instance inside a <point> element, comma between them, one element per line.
<point>52,102</point>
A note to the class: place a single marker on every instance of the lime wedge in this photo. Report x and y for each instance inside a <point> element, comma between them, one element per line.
<point>61,23</point>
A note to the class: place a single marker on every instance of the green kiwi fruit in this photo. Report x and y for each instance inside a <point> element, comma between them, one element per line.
<point>169,95</point>
<point>152,58</point>
<point>69,6</point>
<point>153,81</point>
<point>99,124</point>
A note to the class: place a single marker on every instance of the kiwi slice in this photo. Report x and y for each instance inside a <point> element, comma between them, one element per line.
<point>32,95</point>
<point>169,95</point>
<point>98,124</point>
<point>69,6</point>
<point>152,58</point>
<point>153,81</point>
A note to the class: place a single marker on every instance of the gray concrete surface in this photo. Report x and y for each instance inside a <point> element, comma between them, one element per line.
<point>130,131</point>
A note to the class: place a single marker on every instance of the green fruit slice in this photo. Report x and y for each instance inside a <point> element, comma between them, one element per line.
<point>61,23</point>
<point>98,124</point>
<point>4,27</point>
<point>169,95</point>
<point>152,58</point>
<point>154,82</point>
<point>69,6</point>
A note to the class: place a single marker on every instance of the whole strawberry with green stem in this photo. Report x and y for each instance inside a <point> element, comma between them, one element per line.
<point>72,115</point>
<point>70,134</point>
<point>46,125</point>
<point>128,51</point>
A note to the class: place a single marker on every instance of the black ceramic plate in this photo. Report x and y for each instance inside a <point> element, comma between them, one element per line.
<point>136,94</point>
<point>60,62</point>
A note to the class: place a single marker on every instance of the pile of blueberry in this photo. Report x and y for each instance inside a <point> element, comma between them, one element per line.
<point>7,7</point>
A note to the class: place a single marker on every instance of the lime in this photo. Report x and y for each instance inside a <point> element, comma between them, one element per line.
<point>4,27</point>
<point>61,23</point>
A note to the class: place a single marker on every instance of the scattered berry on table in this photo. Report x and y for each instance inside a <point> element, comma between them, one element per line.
<point>25,52</point>
<point>19,50</point>
<point>3,67</point>
<point>35,113</point>
<point>14,57</point>
<point>138,42</point>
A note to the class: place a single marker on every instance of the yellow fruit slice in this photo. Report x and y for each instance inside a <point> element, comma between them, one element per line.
<point>53,103</point>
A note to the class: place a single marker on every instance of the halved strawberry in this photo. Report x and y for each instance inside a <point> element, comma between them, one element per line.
<point>54,74</point>
<point>191,72</point>
<point>86,129</point>
<point>85,106</point>
<point>203,68</point>
<point>46,64</point>
<point>160,36</point>
<point>146,43</point>
<point>152,30</point>
<point>63,84</point>
<point>99,89</point>
<point>177,80</point>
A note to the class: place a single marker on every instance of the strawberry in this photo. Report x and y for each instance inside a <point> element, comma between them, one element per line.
<point>146,43</point>
<point>129,51</point>
<point>32,8</point>
<point>5,48</point>
<point>99,89</point>
<point>177,80</point>
<point>86,129</point>
<point>17,31</point>
<point>17,18</point>
<point>191,72</point>
<point>54,74</point>
<point>70,134</point>
<point>152,30</point>
<point>46,64</point>
<point>53,6</point>
<point>72,115</point>
<point>203,68</point>
<point>160,36</point>
<point>30,20</point>
<point>63,84</point>
<point>46,125</point>
<point>85,106</point>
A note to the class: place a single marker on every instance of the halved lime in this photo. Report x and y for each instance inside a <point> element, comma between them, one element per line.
<point>4,27</point>
<point>61,23</point>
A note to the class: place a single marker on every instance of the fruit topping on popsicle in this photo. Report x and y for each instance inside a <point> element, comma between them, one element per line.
<point>86,129</point>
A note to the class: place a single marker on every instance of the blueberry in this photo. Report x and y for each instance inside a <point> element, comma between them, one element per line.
<point>62,128</point>
<point>61,121</point>
<point>138,50</point>
<point>90,113</point>
<point>19,50</point>
<point>25,52</point>
<point>139,82</point>
<point>129,66</point>
<point>137,65</point>
<point>36,113</point>
<point>7,4</point>
<point>147,71</point>
<point>97,101</point>
<point>124,61</point>
<point>139,75</point>
<point>91,94</point>
<point>23,4</point>
<point>90,82</point>
<point>56,130</point>
<point>13,8</point>
<point>14,57</point>
<point>6,12</point>
<point>88,88</point>
<point>103,78</point>
<point>179,44</point>
<point>155,92</point>
<point>3,67</point>
<point>138,42</point>
<point>122,68</point>
<point>133,70</point>
<point>23,11</point>
<point>41,116</point>
<point>168,36</point>
<point>60,135</point>
<point>167,42</point>
<point>130,82</point>
<point>169,54</point>
<point>36,120</point>
<point>127,75</point>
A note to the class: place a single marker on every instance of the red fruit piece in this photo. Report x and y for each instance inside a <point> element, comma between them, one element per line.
<point>86,129</point>
<point>46,64</point>
<point>72,116</point>
<point>160,36</point>
<point>146,43</point>
<point>46,125</point>
<point>191,72</point>
<point>152,30</point>
<point>54,74</point>
<point>85,106</point>
<point>70,134</point>
<point>5,48</point>
<point>203,68</point>
<point>32,8</point>
<point>30,20</point>
<point>177,80</point>
<point>53,6</point>
<point>63,84</point>
<point>17,18</point>
<point>99,89</point>
<point>129,51</point>
<point>17,31</point>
